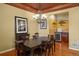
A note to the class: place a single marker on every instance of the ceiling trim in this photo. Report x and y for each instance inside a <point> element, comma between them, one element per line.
<point>21,6</point>
<point>49,9</point>
<point>60,7</point>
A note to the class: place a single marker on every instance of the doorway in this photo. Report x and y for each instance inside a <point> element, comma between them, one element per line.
<point>59,27</point>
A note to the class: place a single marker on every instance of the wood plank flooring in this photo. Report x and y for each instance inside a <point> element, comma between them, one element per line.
<point>60,50</point>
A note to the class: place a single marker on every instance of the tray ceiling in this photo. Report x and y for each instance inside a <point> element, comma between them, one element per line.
<point>44,7</point>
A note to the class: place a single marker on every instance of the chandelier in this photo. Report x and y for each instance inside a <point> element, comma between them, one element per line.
<point>39,16</point>
<point>62,22</point>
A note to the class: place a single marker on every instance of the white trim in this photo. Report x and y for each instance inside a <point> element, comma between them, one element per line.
<point>74,49</point>
<point>6,50</point>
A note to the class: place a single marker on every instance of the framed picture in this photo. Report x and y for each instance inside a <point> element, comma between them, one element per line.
<point>43,24</point>
<point>21,24</point>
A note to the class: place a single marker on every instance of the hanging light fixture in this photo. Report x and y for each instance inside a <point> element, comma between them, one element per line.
<point>62,22</point>
<point>39,16</point>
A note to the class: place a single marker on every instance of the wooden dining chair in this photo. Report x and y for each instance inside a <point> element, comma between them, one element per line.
<point>41,50</point>
<point>27,36</point>
<point>51,44</point>
<point>22,50</point>
<point>37,51</point>
<point>44,47</point>
<point>50,47</point>
<point>36,35</point>
<point>53,40</point>
<point>20,39</point>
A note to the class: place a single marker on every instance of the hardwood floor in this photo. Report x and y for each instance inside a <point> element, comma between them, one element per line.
<point>11,53</point>
<point>63,50</point>
<point>60,50</point>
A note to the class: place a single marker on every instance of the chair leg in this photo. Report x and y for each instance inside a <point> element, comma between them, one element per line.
<point>52,50</point>
<point>48,51</point>
<point>18,53</point>
<point>54,46</point>
<point>41,52</point>
<point>45,52</point>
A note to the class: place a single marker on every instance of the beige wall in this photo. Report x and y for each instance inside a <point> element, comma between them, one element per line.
<point>7,25</point>
<point>73,26</point>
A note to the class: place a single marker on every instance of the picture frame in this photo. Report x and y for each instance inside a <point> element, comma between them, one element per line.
<point>21,24</point>
<point>43,24</point>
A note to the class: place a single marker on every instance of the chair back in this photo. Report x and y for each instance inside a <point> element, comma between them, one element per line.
<point>44,45</point>
<point>51,37</point>
<point>20,39</point>
<point>27,36</point>
<point>36,36</point>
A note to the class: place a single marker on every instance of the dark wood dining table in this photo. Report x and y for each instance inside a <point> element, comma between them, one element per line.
<point>34,43</point>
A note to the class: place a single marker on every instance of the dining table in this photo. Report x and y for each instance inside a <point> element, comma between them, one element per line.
<point>35,43</point>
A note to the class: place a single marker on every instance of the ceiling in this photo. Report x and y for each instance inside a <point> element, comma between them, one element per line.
<point>44,7</point>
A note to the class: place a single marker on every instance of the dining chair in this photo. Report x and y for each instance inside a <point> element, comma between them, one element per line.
<point>19,44</point>
<point>53,39</point>
<point>37,51</point>
<point>22,50</point>
<point>41,50</point>
<point>51,44</point>
<point>25,51</point>
<point>27,36</point>
<point>44,47</point>
<point>36,35</point>
<point>50,47</point>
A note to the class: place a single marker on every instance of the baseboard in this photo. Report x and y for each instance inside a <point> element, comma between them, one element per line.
<point>6,50</point>
<point>74,49</point>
